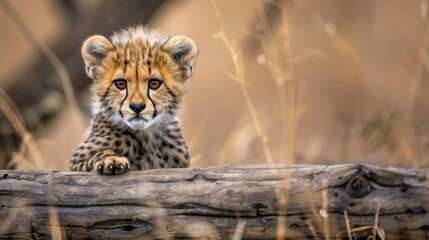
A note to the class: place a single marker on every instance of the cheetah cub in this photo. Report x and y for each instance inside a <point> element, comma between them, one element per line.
<point>139,79</point>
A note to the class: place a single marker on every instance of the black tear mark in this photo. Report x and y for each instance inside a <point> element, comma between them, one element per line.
<point>155,113</point>
<point>123,100</point>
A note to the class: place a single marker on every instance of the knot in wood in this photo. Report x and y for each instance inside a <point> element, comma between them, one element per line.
<point>358,187</point>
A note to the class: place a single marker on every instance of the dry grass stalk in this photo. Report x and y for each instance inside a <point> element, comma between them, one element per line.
<point>403,129</point>
<point>287,99</point>
<point>377,232</point>
<point>54,223</point>
<point>312,231</point>
<point>8,220</point>
<point>239,230</point>
<point>49,54</point>
<point>63,75</point>
<point>325,214</point>
<point>237,60</point>
<point>10,111</point>
<point>284,79</point>
<point>346,219</point>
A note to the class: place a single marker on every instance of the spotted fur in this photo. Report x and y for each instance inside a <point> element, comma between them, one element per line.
<point>122,137</point>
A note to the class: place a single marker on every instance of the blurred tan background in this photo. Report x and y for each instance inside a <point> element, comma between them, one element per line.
<point>354,80</point>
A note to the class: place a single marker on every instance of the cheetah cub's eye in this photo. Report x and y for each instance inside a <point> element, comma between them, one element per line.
<point>120,84</point>
<point>154,83</point>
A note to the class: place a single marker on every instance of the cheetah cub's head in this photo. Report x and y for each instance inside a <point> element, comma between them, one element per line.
<point>139,76</point>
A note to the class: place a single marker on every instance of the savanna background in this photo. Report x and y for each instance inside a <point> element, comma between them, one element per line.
<point>305,81</point>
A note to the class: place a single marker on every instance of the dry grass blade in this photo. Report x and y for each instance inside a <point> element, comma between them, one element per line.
<point>282,199</point>
<point>7,220</point>
<point>308,53</point>
<point>239,230</point>
<point>50,55</point>
<point>240,76</point>
<point>7,107</point>
<point>325,214</point>
<point>312,231</point>
<point>346,219</point>
<point>54,223</point>
<point>415,82</point>
<point>376,231</point>
<point>284,80</point>
<point>371,77</point>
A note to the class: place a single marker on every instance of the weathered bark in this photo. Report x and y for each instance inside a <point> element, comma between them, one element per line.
<point>210,202</point>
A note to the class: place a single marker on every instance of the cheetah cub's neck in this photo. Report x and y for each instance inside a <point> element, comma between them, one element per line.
<point>139,78</point>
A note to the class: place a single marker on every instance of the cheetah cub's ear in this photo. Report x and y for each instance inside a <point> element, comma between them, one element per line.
<point>184,52</point>
<point>94,51</point>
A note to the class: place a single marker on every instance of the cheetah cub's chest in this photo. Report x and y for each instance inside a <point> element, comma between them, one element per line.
<point>139,79</point>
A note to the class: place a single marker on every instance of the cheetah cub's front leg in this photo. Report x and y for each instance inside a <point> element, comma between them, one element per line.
<point>105,162</point>
<point>139,78</point>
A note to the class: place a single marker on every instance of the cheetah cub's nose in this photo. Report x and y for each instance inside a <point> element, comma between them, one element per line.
<point>137,107</point>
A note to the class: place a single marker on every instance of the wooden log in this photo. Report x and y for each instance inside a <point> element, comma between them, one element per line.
<point>216,202</point>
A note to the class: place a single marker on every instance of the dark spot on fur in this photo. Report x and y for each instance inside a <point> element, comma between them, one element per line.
<point>140,151</point>
<point>118,135</point>
<point>128,143</point>
<point>119,151</point>
<point>92,153</point>
<point>81,147</point>
<point>166,144</point>
<point>106,144</point>
<point>176,160</point>
<point>118,143</point>
<point>75,154</point>
<point>82,155</point>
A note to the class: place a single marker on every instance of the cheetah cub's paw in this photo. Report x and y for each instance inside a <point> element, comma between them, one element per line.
<point>112,165</point>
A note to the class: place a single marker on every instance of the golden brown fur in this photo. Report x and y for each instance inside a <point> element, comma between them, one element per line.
<point>139,78</point>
